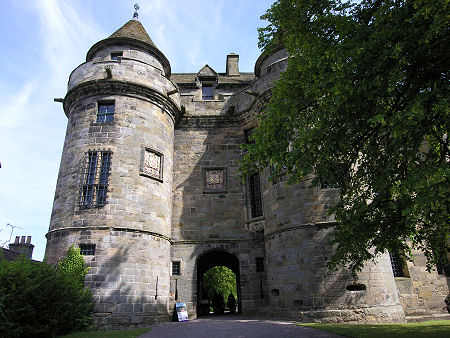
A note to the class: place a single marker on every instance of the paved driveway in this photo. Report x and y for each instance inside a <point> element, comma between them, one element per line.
<point>235,327</point>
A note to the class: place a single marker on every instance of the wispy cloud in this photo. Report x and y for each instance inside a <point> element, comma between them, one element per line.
<point>12,108</point>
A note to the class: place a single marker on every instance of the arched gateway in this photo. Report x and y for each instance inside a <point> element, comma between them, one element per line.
<point>209,260</point>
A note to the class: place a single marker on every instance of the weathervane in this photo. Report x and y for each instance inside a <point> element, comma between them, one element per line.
<point>136,15</point>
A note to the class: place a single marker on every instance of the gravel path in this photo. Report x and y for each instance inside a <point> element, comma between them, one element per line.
<point>234,326</point>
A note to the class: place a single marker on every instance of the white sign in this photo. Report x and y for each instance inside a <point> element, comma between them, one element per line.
<point>182,312</point>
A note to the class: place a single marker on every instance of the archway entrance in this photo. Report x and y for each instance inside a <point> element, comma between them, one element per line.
<point>207,261</point>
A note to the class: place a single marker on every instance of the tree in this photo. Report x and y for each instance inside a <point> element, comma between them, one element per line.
<point>36,300</point>
<point>220,280</point>
<point>363,104</point>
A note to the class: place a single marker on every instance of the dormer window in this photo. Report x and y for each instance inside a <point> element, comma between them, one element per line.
<point>115,56</point>
<point>207,91</point>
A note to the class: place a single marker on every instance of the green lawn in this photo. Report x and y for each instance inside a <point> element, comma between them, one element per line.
<point>429,329</point>
<point>108,334</point>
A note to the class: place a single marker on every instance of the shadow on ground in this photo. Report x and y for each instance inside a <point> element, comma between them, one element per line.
<point>234,326</point>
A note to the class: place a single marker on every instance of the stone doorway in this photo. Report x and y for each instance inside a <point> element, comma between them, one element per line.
<point>209,260</point>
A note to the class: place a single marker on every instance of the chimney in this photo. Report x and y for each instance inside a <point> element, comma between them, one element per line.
<point>23,247</point>
<point>232,64</point>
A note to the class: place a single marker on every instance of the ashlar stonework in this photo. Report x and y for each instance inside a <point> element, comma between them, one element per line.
<point>173,197</point>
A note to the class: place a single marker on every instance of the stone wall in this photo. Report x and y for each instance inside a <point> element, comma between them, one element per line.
<point>422,293</point>
<point>129,273</point>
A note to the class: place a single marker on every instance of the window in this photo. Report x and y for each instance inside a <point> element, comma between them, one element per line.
<point>87,249</point>
<point>152,163</point>
<point>247,134</point>
<point>259,261</point>
<point>397,264</point>
<point>105,112</point>
<point>116,56</point>
<point>442,263</point>
<point>94,179</point>
<point>326,185</point>
<point>176,268</point>
<point>215,180</point>
<point>255,196</point>
<point>207,91</point>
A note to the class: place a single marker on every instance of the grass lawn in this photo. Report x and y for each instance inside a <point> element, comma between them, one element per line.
<point>112,334</point>
<point>429,329</point>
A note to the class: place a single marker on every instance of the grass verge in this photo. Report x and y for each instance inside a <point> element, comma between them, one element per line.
<point>108,334</point>
<point>428,329</point>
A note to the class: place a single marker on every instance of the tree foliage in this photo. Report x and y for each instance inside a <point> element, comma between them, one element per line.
<point>36,300</point>
<point>220,280</point>
<point>363,104</point>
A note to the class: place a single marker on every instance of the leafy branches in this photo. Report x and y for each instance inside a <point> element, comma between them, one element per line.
<point>363,103</point>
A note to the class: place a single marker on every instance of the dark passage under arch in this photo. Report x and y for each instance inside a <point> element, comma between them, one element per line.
<point>216,258</point>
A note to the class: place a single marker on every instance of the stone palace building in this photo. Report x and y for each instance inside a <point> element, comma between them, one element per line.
<point>148,188</point>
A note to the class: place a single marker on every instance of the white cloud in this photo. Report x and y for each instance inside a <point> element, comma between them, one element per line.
<point>13,107</point>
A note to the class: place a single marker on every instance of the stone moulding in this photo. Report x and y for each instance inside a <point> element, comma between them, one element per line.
<point>216,241</point>
<point>111,87</point>
<point>271,234</point>
<point>151,233</point>
<point>154,234</point>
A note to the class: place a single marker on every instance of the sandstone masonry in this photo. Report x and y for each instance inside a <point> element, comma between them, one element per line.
<point>149,179</point>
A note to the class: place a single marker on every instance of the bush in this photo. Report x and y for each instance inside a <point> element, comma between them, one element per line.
<point>36,300</point>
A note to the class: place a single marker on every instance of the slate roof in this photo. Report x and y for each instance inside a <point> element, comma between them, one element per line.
<point>133,29</point>
<point>131,33</point>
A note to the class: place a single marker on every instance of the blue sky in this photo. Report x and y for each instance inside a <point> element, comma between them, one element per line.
<point>44,40</point>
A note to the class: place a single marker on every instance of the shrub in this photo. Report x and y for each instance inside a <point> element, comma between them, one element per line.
<point>36,300</point>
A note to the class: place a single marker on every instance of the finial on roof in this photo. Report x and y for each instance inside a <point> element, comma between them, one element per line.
<point>136,15</point>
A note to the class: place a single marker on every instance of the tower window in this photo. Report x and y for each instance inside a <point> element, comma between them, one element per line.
<point>397,264</point>
<point>259,261</point>
<point>255,196</point>
<point>87,249</point>
<point>105,111</point>
<point>176,268</point>
<point>207,91</point>
<point>116,56</point>
<point>94,179</point>
<point>442,263</point>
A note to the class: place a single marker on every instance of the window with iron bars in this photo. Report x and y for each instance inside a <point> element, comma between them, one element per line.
<point>397,264</point>
<point>87,249</point>
<point>255,196</point>
<point>94,179</point>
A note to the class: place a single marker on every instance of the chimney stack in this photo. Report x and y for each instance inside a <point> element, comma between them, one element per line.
<point>232,64</point>
<point>23,247</point>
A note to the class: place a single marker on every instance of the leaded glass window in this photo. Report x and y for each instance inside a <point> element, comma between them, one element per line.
<point>115,56</point>
<point>105,112</point>
<point>207,91</point>
<point>442,263</point>
<point>255,196</point>
<point>176,268</point>
<point>94,179</point>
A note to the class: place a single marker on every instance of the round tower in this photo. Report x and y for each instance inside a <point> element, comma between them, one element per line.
<point>114,189</point>
<point>298,231</point>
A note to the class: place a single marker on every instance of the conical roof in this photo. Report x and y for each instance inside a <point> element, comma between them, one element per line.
<point>133,34</point>
<point>133,29</point>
